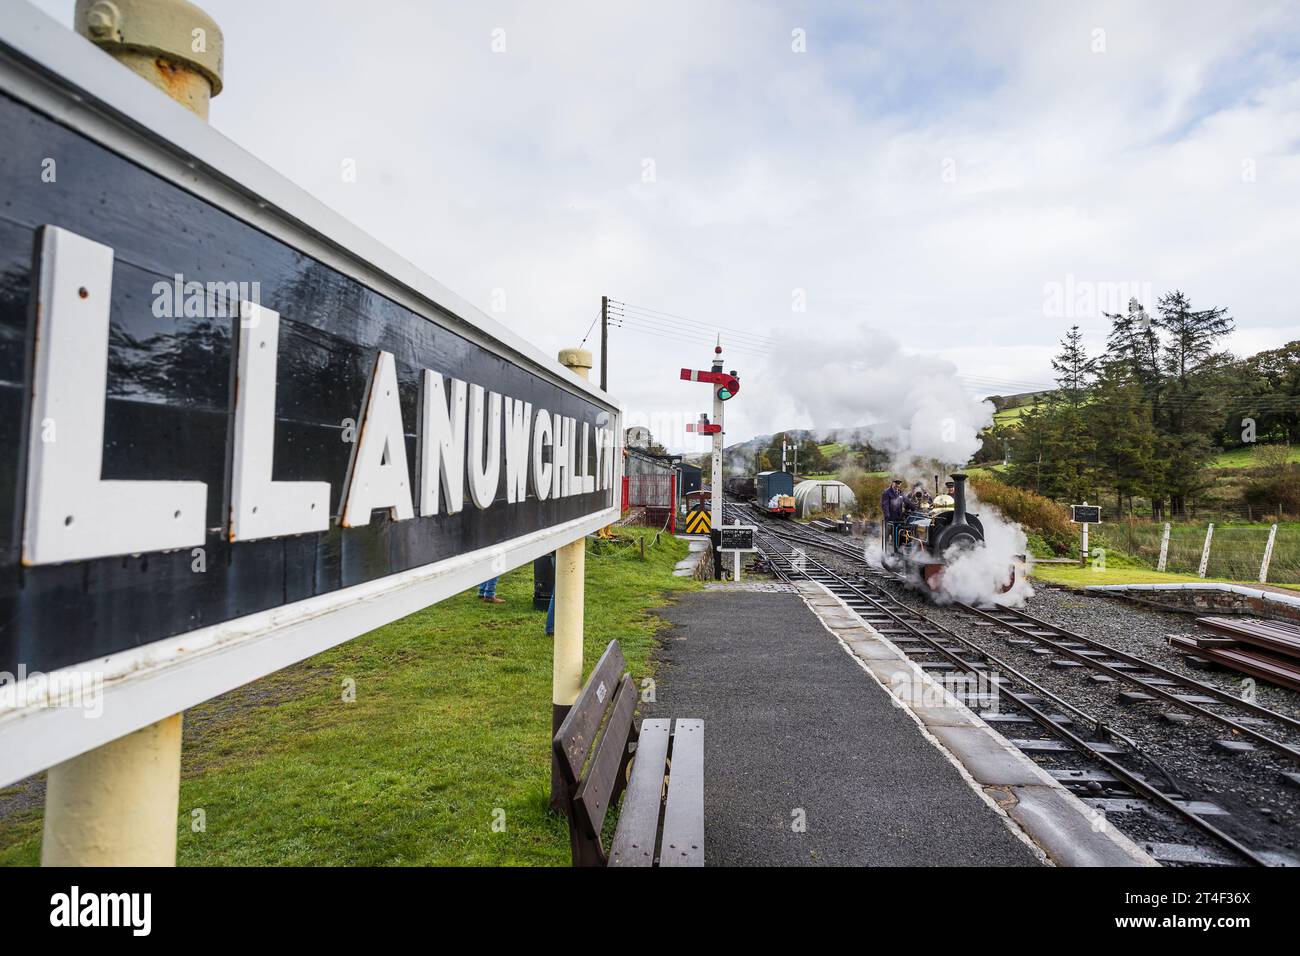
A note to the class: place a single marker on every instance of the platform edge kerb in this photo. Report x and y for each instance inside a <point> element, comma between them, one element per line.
<point>1043,834</point>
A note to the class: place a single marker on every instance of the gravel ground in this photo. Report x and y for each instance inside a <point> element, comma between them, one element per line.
<point>1264,806</point>
<point>1144,632</point>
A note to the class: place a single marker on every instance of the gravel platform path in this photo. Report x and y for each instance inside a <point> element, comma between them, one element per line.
<point>797,733</point>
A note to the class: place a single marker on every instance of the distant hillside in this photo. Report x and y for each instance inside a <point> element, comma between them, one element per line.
<point>1008,409</point>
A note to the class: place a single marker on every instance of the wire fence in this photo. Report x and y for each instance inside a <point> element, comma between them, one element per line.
<point>1235,552</point>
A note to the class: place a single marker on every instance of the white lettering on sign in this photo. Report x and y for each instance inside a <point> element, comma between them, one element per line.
<point>377,475</point>
<point>484,428</point>
<point>588,481</point>
<point>543,436</point>
<point>260,507</point>
<point>73,514</point>
<point>562,459</point>
<point>518,419</point>
<point>442,444</point>
<point>601,692</point>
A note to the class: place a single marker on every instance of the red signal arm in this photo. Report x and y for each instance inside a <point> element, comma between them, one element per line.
<point>713,378</point>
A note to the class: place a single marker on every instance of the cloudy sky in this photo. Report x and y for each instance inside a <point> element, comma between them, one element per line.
<point>832,181</point>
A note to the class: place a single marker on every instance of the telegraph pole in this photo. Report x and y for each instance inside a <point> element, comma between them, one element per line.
<point>604,343</point>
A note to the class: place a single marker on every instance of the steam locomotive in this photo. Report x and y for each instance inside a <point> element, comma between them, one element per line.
<point>926,541</point>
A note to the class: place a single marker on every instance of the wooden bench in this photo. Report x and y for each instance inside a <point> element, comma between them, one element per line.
<point>662,820</point>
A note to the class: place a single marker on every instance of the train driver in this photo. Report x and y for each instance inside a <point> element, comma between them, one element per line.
<point>946,501</point>
<point>892,501</point>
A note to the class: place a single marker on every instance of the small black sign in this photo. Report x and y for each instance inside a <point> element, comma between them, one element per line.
<point>1085,514</point>
<point>737,538</point>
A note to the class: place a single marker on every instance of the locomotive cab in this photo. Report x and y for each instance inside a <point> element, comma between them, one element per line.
<point>928,541</point>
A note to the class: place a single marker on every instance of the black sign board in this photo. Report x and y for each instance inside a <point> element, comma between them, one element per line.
<point>736,538</point>
<point>237,430</point>
<point>1085,514</point>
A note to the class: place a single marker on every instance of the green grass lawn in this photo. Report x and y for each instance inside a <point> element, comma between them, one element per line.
<point>1246,458</point>
<point>448,732</point>
<point>1071,575</point>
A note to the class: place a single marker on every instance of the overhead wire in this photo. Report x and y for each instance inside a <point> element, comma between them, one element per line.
<point>678,335</point>
<point>675,320</point>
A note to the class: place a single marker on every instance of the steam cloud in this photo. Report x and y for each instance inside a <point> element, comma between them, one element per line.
<point>976,576</point>
<point>911,405</point>
<point>914,407</point>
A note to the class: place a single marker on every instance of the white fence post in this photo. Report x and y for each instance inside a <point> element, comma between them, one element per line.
<point>1205,551</point>
<point>1268,555</point>
<point>1164,548</point>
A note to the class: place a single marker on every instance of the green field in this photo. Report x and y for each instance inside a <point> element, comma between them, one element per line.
<point>1010,416</point>
<point>449,731</point>
<point>1071,575</point>
<point>1246,457</point>
<point>1236,548</point>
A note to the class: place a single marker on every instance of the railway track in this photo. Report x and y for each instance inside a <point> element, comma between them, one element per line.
<point>1107,769</point>
<point>1153,681</point>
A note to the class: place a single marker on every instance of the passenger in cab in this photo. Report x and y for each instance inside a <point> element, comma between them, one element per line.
<point>919,499</point>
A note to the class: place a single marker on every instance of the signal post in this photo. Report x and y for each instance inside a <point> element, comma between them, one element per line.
<point>728,384</point>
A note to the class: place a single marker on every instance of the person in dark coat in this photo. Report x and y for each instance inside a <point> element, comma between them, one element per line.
<point>892,501</point>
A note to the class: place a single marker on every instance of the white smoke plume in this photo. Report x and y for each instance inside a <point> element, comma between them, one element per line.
<point>915,407</point>
<point>909,404</point>
<point>978,575</point>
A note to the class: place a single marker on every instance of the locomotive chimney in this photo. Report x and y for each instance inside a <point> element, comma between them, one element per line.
<point>959,498</point>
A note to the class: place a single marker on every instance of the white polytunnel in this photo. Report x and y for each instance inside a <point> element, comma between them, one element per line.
<point>834,496</point>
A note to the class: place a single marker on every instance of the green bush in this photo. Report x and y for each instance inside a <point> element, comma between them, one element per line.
<point>1274,490</point>
<point>1036,514</point>
<point>868,489</point>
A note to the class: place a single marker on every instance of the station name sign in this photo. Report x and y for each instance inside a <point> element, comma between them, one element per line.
<point>467,438</point>
<point>239,432</point>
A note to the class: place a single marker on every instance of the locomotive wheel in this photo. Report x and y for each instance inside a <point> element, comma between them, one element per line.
<point>933,575</point>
